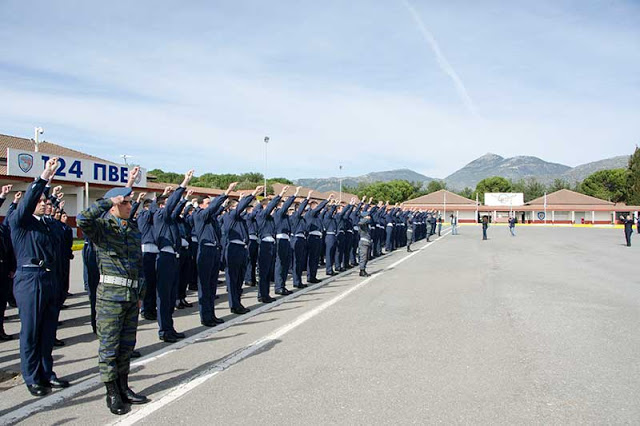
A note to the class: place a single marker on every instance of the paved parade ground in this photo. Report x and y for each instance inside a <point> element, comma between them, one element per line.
<point>540,328</point>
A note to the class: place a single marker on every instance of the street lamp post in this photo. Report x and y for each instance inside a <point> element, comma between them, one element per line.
<point>341,183</point>
<point>266,144</point>
<point>38,131</point>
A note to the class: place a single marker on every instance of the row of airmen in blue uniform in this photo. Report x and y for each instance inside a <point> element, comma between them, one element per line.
<point>257,243</point>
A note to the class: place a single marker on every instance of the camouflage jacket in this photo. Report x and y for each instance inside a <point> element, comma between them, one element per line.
<point>118,250</point>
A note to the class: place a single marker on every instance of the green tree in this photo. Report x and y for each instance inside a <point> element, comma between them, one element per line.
<point>559,184</point>
<point>492,184</point>
<point>435,185</point>
<point>396,191</point>
<point>468,193</point>
<point>633,178</point>
<point>608,185</point>
<point>533,189</point>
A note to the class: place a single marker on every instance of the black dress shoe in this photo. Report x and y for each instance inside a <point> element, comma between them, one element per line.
<point>59,383</point>
<point>283,291</point>
<point>180,305</point>
<point>37,390</point>
<point>168,338</point>
<point>208,323</point>
<point>178,335</point>
<point>364,274</point>
<point>186,304</point>
<point>218,320</point>
<point>135,354</point>
<point>301,286</point>
<point>314,281</point>
<point>240,311</point>
<point>267,299</point>
<point>58,342</point>
<point>4,336</point>
<point>332,273</point>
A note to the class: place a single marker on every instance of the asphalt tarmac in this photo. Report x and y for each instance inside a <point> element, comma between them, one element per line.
<point>537,328</point>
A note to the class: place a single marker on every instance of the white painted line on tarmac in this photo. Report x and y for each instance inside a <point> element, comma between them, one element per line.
<point>93,382</point>
<point>248,350</point>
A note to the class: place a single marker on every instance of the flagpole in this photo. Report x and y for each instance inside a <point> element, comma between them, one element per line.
<point>476,207</point>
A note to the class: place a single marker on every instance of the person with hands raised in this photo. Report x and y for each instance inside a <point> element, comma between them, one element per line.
<point>167,236</point>
<point>235,249</point>
<point>36,285</point>
<point>7,261</point>
<point>117,242</point>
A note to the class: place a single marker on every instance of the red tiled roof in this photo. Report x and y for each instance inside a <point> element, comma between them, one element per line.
<point>570,198</point>
<point>7,141</point>
<point>438,198</point>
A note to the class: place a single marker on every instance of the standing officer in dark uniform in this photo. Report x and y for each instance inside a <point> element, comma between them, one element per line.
<point>266,228</point>
<point>330,225</point>
<point>167,237</point>
<point>299,242</point>
<point>35,287</point>
<point>118,249</point>
<point>283,245</point>
<point>628,228</point>
<point>149,255</point>
<point>365,241</point>
<point>252,226</point>
<point>485,225</point>
<point>235,250</point>
<point>209,249</point>
<point>314,238</point>
<point>7,262</point>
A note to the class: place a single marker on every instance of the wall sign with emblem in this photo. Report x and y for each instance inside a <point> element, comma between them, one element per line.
<point>541,215</point>
<point>31,164</point>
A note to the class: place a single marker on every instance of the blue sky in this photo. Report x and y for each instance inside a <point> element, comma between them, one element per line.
<point>372,85</point>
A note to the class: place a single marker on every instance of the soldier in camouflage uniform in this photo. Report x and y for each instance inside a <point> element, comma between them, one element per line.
<point>118,249</point>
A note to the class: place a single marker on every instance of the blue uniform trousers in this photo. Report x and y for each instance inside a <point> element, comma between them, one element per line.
<point>314,247</point>
<point>167,268</point>
<point>149,272</point>
<point>331,244</point>
<point>299,245</point>
<point>252,260</point>
<point>91,276</point>
<point>208,260</point>
<point>388,243</point>
<point>283,261</point>
<point>36,292</point>
<point>266,254</point>
<point>235,265</point>
<point>5,285</point>
<point>184,274</point>
<point>340,250</point>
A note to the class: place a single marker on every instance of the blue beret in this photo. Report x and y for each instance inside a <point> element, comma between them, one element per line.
<point>114,192</point>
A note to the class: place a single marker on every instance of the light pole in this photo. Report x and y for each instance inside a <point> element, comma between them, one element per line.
<point>124,158</point>
<point>266,144</point>
<point>38,131</point>
<point>341,183</point>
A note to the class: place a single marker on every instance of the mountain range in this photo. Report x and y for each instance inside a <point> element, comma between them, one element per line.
<point>488,165</point>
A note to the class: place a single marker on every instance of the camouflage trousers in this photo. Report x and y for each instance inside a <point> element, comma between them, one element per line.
<point>117,323</point>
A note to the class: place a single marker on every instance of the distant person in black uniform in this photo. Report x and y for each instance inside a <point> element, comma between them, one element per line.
<point>512,226</point>
<point>628,228</point>
<point>485,225</point>
<point>638,224</point>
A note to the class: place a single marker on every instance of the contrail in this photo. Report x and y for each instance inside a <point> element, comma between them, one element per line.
<point>442,61</point>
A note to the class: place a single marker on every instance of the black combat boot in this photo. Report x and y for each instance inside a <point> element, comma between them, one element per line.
<point>114,400</point>
<point>127,394</point>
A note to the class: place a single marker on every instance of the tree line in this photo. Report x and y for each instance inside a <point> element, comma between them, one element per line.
<point>616,185</point>
<point>245,181</point>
